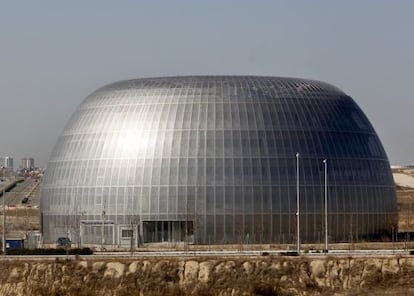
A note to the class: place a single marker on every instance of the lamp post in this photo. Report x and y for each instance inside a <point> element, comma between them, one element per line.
<point>325,163</point>
<point>410,208</point>
<point>4,211</point>
<point>297,204</point>
<point>103,230</point>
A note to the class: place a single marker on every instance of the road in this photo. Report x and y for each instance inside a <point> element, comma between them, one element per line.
<point>28,187</point>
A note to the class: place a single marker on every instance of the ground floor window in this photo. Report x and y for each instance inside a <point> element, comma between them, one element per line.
<point>167,231</point>
<point>127,233</point>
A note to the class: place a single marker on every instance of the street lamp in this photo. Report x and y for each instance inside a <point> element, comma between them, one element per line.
<point>297,203</point>
<point>325,163</point>
<point>4,211</point>
<point>103,230</point>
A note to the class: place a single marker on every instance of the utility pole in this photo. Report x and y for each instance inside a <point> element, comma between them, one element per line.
<point>297,203</point>
<point>4,211</point>
<point>325,162</point>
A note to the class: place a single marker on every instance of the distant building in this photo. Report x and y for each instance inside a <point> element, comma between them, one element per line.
<point>7,162</point>
<point>28,163</point>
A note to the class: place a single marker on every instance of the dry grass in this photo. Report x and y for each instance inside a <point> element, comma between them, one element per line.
<point>405,200</point>
<point>160,276</point>
<point>21,219</point>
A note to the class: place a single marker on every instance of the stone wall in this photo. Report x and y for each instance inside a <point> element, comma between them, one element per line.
<point>209,276</point>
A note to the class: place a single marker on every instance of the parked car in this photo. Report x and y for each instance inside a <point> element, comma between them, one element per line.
<point>63,242</point>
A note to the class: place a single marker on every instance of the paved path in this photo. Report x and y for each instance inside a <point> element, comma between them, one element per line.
<point>184,254</point>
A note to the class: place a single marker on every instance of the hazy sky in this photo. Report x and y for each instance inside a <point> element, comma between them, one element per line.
<point>54,53</point>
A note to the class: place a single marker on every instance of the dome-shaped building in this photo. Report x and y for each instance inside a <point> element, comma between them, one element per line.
<point>212,159</point>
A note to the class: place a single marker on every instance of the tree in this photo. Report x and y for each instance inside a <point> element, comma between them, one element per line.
<point>132,221</point>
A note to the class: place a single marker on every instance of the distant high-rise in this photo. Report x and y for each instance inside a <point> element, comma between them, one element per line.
<point>7,162</point>
<point>28,163</point>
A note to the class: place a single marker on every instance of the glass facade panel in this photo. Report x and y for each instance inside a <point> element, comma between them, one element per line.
<point>217,153</point>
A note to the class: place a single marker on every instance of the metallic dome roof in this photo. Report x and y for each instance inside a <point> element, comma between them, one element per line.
<point>218,153</point>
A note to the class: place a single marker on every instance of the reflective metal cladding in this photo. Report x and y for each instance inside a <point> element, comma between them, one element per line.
<point>212,159</point>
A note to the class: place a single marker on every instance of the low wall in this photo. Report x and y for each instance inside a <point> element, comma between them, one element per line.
<point>268,275</point>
